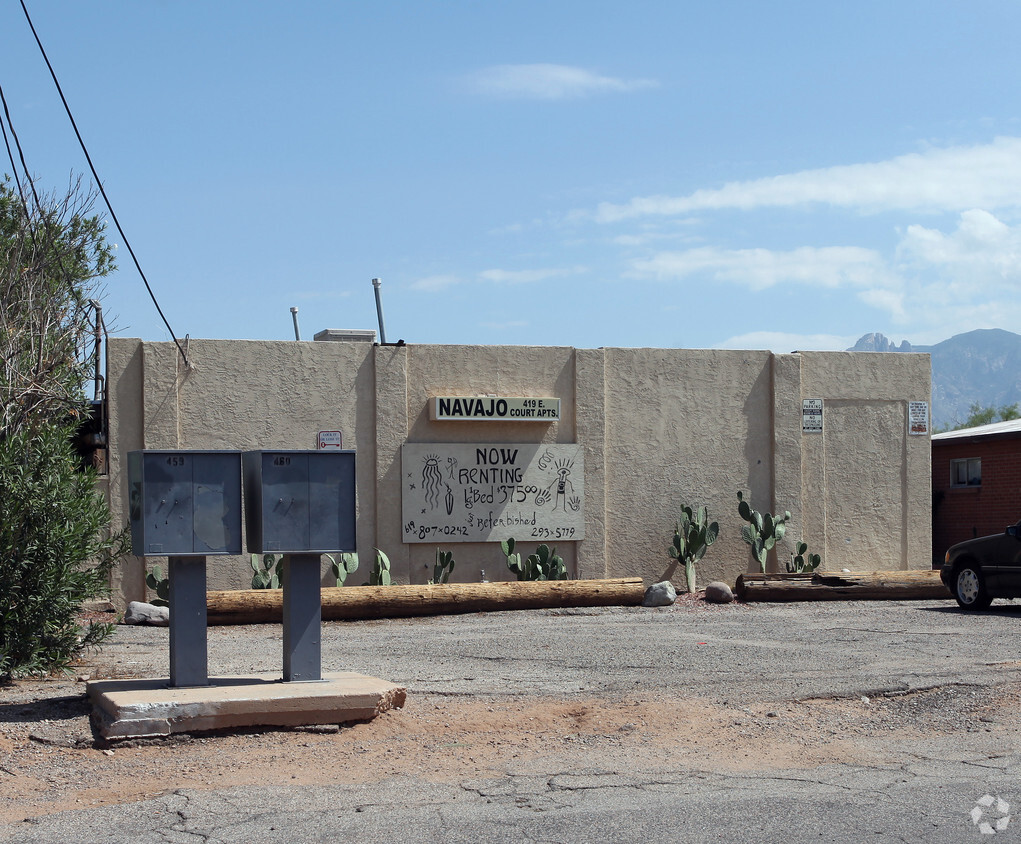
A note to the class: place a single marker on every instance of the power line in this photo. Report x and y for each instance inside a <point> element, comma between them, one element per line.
<point>95,175</point>
<point>10,154</point>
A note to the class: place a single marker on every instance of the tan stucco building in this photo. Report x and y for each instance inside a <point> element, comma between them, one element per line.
<point>657,428</point>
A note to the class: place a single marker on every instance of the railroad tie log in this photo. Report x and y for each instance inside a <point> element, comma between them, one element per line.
<point>265,606</point>
<point>842,586</point>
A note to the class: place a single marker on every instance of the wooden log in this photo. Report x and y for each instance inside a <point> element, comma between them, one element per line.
<point>842,586</point>
<point>265,606</point>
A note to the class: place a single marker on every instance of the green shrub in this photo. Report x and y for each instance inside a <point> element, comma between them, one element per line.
<point>55,551</point>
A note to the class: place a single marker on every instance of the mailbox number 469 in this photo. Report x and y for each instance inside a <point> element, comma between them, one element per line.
<point>175,461</point>
<point>281,461</point>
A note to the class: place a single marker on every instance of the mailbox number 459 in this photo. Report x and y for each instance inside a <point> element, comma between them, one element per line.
<point>175,461</point>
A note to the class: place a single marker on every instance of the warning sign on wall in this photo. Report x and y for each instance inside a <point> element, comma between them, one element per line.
<point>918,417</point>
<point>811,416</point>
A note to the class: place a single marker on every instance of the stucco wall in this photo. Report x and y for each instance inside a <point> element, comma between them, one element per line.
<point>863,477</point>
<point>659,428</point>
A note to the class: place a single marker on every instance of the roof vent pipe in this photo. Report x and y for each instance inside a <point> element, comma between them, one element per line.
<point>294,316</point>
<point>376,282</point>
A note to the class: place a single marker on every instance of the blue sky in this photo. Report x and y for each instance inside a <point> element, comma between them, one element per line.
<point>788,175</point>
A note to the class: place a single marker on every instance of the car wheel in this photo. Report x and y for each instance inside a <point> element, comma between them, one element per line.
<point>970,589</point>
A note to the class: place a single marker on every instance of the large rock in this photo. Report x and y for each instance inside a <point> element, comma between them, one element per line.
<point>718,592</point>
<point>142,613</point>
<point>660,594</point>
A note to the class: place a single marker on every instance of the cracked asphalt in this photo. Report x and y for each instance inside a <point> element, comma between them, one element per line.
<point>878,721</point>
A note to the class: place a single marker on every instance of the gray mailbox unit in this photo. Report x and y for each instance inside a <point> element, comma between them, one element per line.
<point>300,502</point>
<point>186,505</point>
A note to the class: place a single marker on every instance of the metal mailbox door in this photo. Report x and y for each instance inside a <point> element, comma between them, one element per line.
<point>216,486</point>
<point>167,503</point>
<point>331,481</point>
<point>285,502</point>
<point>185,503</point>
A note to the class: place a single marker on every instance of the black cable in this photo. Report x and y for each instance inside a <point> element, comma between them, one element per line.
<point>30,229</point>
<point>95,175</point>
<point>10,155</point>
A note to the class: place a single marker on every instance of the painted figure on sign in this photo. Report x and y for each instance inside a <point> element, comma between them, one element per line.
<point>432,480</point>
<point>560,489</point>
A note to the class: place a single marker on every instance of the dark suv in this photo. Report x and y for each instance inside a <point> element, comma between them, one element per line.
<point>981,569</point>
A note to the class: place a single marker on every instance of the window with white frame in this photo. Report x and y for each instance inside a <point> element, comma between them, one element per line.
<point>966,472</point>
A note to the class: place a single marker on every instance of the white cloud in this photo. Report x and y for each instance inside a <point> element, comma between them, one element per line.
<point>829,266</point>
<point>549,82</point>
<point>966,278</point>
<point>434,283</point>
<point>948,179</point>
<point>891,301</point>
<point>527,276</point>
<point>983,248</point>
<point>328,293</point>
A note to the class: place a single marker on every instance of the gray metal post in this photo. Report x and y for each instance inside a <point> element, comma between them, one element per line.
<point>189,660</point>
<point>376,282</point>
<point>303,615</point>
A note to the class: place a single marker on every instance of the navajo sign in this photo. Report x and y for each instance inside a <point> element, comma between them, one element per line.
<point>494,409</point>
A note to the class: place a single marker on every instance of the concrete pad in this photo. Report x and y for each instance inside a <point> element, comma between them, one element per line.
<point>150,707</point>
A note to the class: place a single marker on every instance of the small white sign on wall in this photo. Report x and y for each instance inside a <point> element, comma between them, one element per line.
<point>918,417</point>
<point>811,416</point>
<point>329,439</point>
<point>494,409</point>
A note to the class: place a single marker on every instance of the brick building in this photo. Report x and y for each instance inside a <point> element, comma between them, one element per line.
<point>976,483</point>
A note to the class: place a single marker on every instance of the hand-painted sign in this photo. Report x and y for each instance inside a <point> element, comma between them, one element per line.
<point>485,492</point>
<point>494,409</point>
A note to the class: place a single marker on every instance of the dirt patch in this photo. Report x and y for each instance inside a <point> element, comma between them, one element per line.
<point>49,761</point>
<point>48,764</point>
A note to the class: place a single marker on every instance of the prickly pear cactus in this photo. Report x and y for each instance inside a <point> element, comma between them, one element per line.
<point>801,561</point>
<point>160,585</point>
<point>513,560</point>
<point>267,570</point>
<point>443,567</point>
<point>343,565</point>
<point>544,564</point>
<point>380,574</point>
<point>763,530</point>
<point>693,534</point>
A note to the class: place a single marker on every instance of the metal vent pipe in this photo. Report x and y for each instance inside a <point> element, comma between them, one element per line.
<point>376,283</point>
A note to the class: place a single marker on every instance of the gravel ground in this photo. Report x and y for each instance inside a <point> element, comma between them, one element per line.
<point>721,689</point>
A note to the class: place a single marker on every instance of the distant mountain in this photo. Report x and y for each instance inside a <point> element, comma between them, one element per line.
<point>982,366</point>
